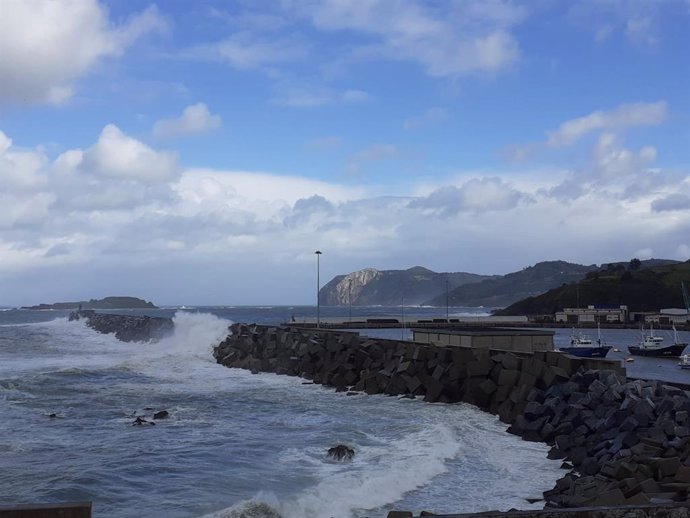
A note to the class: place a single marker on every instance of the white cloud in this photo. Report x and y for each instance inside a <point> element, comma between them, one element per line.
<point>46,46</point>
<point>477,195</point>
<point>120,156</point>
<point>19,169</point>
<point>195,118</point>
<point>673,202</point>
<point>245,50</point>
<point>98,214</point>
<point>624,116</point>
<point>637,20</point>
<point>448,38</point>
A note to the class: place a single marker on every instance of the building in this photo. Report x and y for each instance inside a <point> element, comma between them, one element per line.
<point>593,315</point>
<point>667,317</point>
<point>521,340</point>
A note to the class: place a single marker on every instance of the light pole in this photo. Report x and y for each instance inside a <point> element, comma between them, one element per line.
<point>349,297</point>
<point>318,286</point>
<point>402,314</point>
<point>446,300</point>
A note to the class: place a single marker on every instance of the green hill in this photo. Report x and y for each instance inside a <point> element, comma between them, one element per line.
<point>639,287</point>
<point>506,289</point>
<point>104,303</point>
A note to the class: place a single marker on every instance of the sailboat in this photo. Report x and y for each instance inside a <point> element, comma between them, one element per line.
<point>581,345</point>
<point>652,345</point>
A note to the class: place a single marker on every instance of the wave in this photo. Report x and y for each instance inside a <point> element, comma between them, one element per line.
<point>379,475</point>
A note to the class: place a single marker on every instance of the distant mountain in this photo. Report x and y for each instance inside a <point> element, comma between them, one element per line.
<point>370,287</point>
<point>504,290</point>
<point>638,285</point>
<point>104,303</point>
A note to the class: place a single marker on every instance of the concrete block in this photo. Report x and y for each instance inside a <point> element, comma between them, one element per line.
<point>667,467</point>
<point>553,374</point>
<point>649,486</point>
<point>683,474</point>
<point>681,431</point>
<point>611,498</point>
<point>637,499</point>
<point>479,367</point>
<point>508,377</point>
<point>433,389</point>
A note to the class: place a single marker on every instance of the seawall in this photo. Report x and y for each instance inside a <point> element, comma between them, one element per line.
<point>128,328</point>
<point>624,442</point>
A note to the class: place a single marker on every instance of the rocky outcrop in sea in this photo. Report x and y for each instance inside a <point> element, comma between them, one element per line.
<point>128,328</point>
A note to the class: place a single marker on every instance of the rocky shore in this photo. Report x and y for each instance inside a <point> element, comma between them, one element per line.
<point>623,442</point>
<point>128,328</point>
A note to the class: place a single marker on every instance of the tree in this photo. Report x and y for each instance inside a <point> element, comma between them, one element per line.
<point>634,264</point>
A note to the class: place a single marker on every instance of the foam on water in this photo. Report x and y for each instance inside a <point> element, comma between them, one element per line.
<point>377,476</point>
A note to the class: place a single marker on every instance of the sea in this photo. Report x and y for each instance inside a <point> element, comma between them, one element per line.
<point>237,444</point>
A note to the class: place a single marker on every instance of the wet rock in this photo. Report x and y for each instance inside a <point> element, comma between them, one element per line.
<point>141,421</point>
<point>161,415</point>
<point>341,452</point>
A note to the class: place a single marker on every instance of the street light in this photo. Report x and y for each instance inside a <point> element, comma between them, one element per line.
<point>349,297</point>
<point>318,286</point>
<point>446,300</point>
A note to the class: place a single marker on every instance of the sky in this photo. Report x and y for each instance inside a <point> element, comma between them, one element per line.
<point>201,152</point>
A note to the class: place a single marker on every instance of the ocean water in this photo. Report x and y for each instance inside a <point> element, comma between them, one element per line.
<point>235,444</point>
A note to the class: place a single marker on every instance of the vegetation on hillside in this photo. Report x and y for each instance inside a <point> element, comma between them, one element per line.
<point>506,289</point>
<point>104,303</point>
<point>639,287</point>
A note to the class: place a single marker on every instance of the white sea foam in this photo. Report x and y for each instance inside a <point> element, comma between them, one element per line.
<point>378,475</point>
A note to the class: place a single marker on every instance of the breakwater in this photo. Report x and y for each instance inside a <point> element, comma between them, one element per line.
<point>623,442</point>
<point>128,328</point>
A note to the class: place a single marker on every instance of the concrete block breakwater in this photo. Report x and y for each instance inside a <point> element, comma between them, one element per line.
<point>625,442</point>
<point>128,328</point>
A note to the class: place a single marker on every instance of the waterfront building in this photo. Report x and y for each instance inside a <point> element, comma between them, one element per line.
<point>669,316</point>
<point>593,314</point>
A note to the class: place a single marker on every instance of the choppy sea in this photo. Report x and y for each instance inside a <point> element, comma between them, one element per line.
<point>234,444</point>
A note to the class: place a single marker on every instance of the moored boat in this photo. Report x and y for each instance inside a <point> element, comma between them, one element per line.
<point>652,345</point>
<point>684,361</point>
<point>581,345</point>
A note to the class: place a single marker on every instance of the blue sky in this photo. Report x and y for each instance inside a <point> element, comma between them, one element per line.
<point>199,152</point>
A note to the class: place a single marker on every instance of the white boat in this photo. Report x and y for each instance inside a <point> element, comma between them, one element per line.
<point>684,362</point>
<point>652,345</point>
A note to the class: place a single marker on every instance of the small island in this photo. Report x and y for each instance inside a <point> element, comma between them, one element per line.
<point>104,303</point>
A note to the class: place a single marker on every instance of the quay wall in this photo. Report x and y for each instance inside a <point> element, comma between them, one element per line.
<point>624,442</point>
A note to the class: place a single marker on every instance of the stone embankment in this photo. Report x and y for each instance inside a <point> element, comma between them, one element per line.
<point>624,442</point>
<point>128,328</point>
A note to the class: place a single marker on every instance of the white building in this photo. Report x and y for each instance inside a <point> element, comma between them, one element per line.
<point>593,314</point>
<point>669,316</point>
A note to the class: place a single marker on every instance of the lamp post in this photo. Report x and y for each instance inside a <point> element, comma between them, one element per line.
<point>349,297</point>
<point>447,300</point>
<point>318,286</point>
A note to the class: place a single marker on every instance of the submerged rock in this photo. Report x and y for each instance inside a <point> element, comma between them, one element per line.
<point>341,452</point>
<point>161,415</point>
<point>140,421</point>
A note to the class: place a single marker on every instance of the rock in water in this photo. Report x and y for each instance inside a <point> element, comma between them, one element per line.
<point>341,452</point>
<point>161,415</point>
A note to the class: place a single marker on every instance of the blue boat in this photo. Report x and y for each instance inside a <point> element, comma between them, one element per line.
<point>581,345</point>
